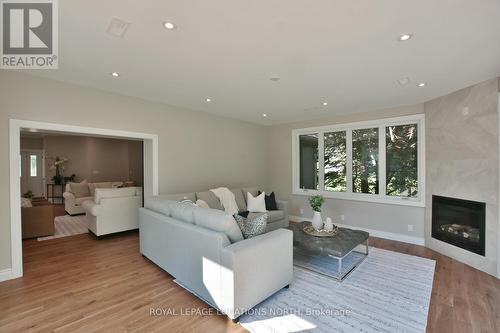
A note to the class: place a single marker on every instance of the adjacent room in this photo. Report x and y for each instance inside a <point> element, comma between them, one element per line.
<point>60,172</point>
<point>241,166</point>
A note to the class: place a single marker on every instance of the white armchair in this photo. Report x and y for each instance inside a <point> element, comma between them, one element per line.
<point>113,210</point>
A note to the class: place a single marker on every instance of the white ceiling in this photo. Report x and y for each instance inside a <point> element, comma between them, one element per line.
<point>342,52</point>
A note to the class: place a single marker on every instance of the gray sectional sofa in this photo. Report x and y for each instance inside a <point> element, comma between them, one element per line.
<point>204,250</point>
<point>276,218</point>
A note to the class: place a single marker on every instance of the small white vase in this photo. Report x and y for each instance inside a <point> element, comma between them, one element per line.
<point>317,221</point>
<point>328,224</point>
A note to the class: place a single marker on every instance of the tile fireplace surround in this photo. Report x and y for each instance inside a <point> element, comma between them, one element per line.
<point>464,166</point>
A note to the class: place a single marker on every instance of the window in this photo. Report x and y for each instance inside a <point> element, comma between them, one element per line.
<point>309,167</point>
<point>335,161</point>
<point>365,160</point>
<point>33,166</point>
<point>380,161</point>
<point>401,160</point>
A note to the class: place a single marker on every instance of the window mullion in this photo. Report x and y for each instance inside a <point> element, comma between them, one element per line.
<point>381,161</point>
<point>348,137</point>
<point>321,160</point>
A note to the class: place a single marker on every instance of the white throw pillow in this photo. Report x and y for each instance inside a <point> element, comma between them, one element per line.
<point>202,203</point>
<point>80,190</point>
<point>257,204</point>
<point>26,203</point>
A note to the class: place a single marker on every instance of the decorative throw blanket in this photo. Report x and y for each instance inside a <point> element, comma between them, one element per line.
<point>226,199</point>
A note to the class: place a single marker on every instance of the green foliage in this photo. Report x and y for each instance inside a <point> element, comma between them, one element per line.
<point>335,161</point>
<point>402,164</point>
<point>28,195</point>
<point>316,202</point>
<point>69,178</point>
<point>365,160</point>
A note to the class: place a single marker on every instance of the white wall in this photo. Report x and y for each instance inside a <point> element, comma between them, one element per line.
<point>386,218</point>
<point>196,150</point>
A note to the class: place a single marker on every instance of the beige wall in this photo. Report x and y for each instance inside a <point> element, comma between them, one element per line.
<point>381,217</point>
<point>196,150</point>
<point>462,162</point>
<point>31,143</point>
<point>94,159</point>
<point>135,165</point>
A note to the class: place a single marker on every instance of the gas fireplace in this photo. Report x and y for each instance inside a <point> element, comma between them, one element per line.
<point>459,222</point>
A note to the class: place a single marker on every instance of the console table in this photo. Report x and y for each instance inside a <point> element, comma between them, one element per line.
<point>53,194</point>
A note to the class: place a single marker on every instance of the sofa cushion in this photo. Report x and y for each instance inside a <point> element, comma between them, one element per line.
<point>91,207</point>
<point>191,196</point>
<point>254,191</point>
<point>159,204</point>
<point>218,220</point>
<point>240,200</point>
<point>275,215</point>
<point>80,190</point>
<point>79,201</point>
<point>210,198</point>
<point>182,211</point>
<point>93,186</point>
<point>103,193</point>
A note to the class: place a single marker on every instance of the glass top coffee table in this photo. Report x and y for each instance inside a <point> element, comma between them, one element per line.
<point>335,257</point>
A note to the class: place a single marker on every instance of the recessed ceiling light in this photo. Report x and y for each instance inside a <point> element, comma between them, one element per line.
<point>325,103</point>
<point>405,37</point>
<point>115,74</point>
<point>208,100</point>
<point>404,81</point>
<point>421,84</point>
<point>169,25</point>
<point>264,115</point>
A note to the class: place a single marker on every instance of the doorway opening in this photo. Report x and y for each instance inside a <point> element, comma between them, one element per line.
<point>33,172</point>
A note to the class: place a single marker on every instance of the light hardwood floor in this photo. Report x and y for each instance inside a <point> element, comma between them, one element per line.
<point>80,284</point>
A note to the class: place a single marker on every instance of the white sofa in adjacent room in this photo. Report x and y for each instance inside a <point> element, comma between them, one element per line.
<point>75,194</point>
<point>113,210</point>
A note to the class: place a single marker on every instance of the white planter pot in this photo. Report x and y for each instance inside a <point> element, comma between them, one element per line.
<point>317,221</point>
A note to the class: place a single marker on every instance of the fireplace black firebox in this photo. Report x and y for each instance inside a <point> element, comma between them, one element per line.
<point>459,222</point>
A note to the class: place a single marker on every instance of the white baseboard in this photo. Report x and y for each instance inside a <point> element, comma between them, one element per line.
<point>375,233</point>
<point>6,274</point>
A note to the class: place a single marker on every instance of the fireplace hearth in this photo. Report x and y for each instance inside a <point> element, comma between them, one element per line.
<point>459,222</point>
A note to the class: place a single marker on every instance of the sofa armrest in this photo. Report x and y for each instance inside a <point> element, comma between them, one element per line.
<point>256,268</point>
<point>68,196</point>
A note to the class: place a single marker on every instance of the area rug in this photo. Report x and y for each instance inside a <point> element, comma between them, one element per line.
<point>68,226</point>
<point>388,292</point>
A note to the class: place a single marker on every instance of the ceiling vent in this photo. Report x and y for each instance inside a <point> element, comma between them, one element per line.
<point>117,27</point>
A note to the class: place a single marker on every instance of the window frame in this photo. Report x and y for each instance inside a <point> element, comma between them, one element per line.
<point>381,124</point>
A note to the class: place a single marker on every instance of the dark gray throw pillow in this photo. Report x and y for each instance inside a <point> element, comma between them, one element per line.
<point>270,201</point>
<point>253,225</point>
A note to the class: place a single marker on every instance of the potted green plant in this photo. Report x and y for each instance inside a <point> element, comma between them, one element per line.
<point>28,195</point>
<point>316,202</point>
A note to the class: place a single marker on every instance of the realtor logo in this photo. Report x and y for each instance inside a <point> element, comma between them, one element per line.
<point>29,34</point>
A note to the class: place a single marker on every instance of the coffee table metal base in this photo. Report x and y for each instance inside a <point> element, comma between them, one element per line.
<point>345,265</point>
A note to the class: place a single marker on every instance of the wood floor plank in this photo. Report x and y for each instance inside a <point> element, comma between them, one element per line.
<point>80,284</point>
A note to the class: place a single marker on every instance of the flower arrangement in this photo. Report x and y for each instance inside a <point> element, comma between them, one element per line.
<point>58,166</point>
<point>316,202</point>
